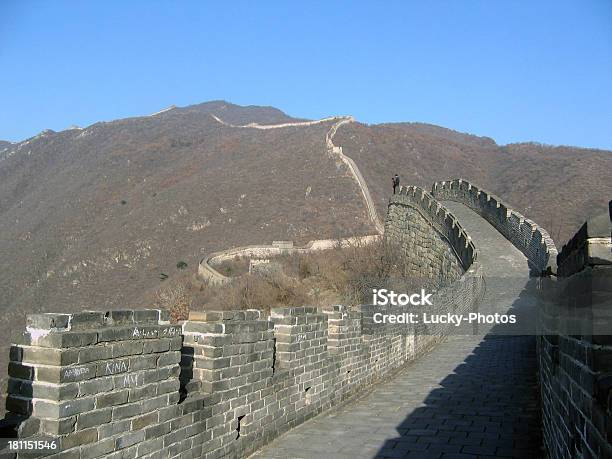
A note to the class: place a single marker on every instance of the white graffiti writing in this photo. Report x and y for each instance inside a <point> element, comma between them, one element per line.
<point>115,367</point>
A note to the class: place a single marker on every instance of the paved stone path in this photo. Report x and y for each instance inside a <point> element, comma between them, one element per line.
<point>471,397</point>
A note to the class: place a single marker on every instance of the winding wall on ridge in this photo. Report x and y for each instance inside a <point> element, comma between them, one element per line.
<point>206,269</point>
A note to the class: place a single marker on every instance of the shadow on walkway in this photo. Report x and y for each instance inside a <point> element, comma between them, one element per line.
<point>487,407</point>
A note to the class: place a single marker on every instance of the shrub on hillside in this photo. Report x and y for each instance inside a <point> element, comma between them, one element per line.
<point>344,275</point>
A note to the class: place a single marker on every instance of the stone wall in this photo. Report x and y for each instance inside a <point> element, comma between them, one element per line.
<point>431,239</point>
<point>575,347</point>
<point>127,384</point>
<point>531,239</point>
<point>207,272</point>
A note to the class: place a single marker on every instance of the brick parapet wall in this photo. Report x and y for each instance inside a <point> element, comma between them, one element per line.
<point>530,238</point>
<point>243,379</point>
<point>437,217</point>
<point>575,347</point>
<point>415,213</point>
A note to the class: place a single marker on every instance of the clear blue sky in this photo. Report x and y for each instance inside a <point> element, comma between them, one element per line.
<point>511,70</point>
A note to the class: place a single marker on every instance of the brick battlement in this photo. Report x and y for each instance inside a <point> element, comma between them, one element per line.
<point>530,238</point>
<point>441,219</point>
<point>221,384</point>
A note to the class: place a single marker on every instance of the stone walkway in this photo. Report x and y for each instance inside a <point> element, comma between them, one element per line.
<point>471,397</point>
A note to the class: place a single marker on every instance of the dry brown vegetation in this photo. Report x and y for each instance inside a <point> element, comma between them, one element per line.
<point>344,275</point>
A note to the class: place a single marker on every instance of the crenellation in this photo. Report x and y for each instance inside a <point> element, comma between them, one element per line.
<point>522,232</point>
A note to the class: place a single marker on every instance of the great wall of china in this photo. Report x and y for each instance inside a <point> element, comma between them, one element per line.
<point>123,384</point>
<point>206,268</point>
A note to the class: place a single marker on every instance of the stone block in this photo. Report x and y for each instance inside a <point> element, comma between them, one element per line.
<point>56,427</point>
<point>43,355</point>
<point>127,411</point>
<point>48,321</point>
<point>146,316</point>
<point>98,449</point>
<point>87,320</point>
<point>119,317</point>
<point>124,348</point>
<point>93,418</point>
<point>112,398</point>
<point>81,437</point>
<point>129,439</point>
<point>146,420</point>
<point>156,346</point>
<point>56,410</point>
<point>91,354</point>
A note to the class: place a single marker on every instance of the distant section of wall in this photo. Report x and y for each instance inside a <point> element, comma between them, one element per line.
<point>531,239</point>
<point>207,271</point>
<point>575,347</point>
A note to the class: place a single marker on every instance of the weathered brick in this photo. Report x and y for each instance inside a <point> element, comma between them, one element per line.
<point>48,321</point>
<point>146,420</point>
<point>119,317</point>
<point>112,398</point>
<point>158,430</point>
<point>98,449</point>
<point>81,437</point>
<point>127,411</point>
<point>155,346</point>
<point>113,428</point>
<point>109,334</point>
<point>90,354</point>
<point>21,371</point>
<point>87,320</point>
<point>94,418</point>
<point>55,410</point>
<point>143,362</point>
<point>169,358</point>
<point>150,446</point>
<point>129,439</point>
<point>112,367</point>
<point>44,355</point>
<point>155,403</point>
<point>96,386</point>
<point>55,427</point>
<point>63,339</point>
<point>34,389</point>
<point>139,393</point>
<point>146,316</point>
<point>127,348</point>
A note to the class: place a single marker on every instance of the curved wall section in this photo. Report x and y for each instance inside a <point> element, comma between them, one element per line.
<point>530,238</point>
<point>439,218</point>
<point>429,234</point>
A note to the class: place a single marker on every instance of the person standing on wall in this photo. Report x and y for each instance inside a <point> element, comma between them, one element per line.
<point>395,180</point>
